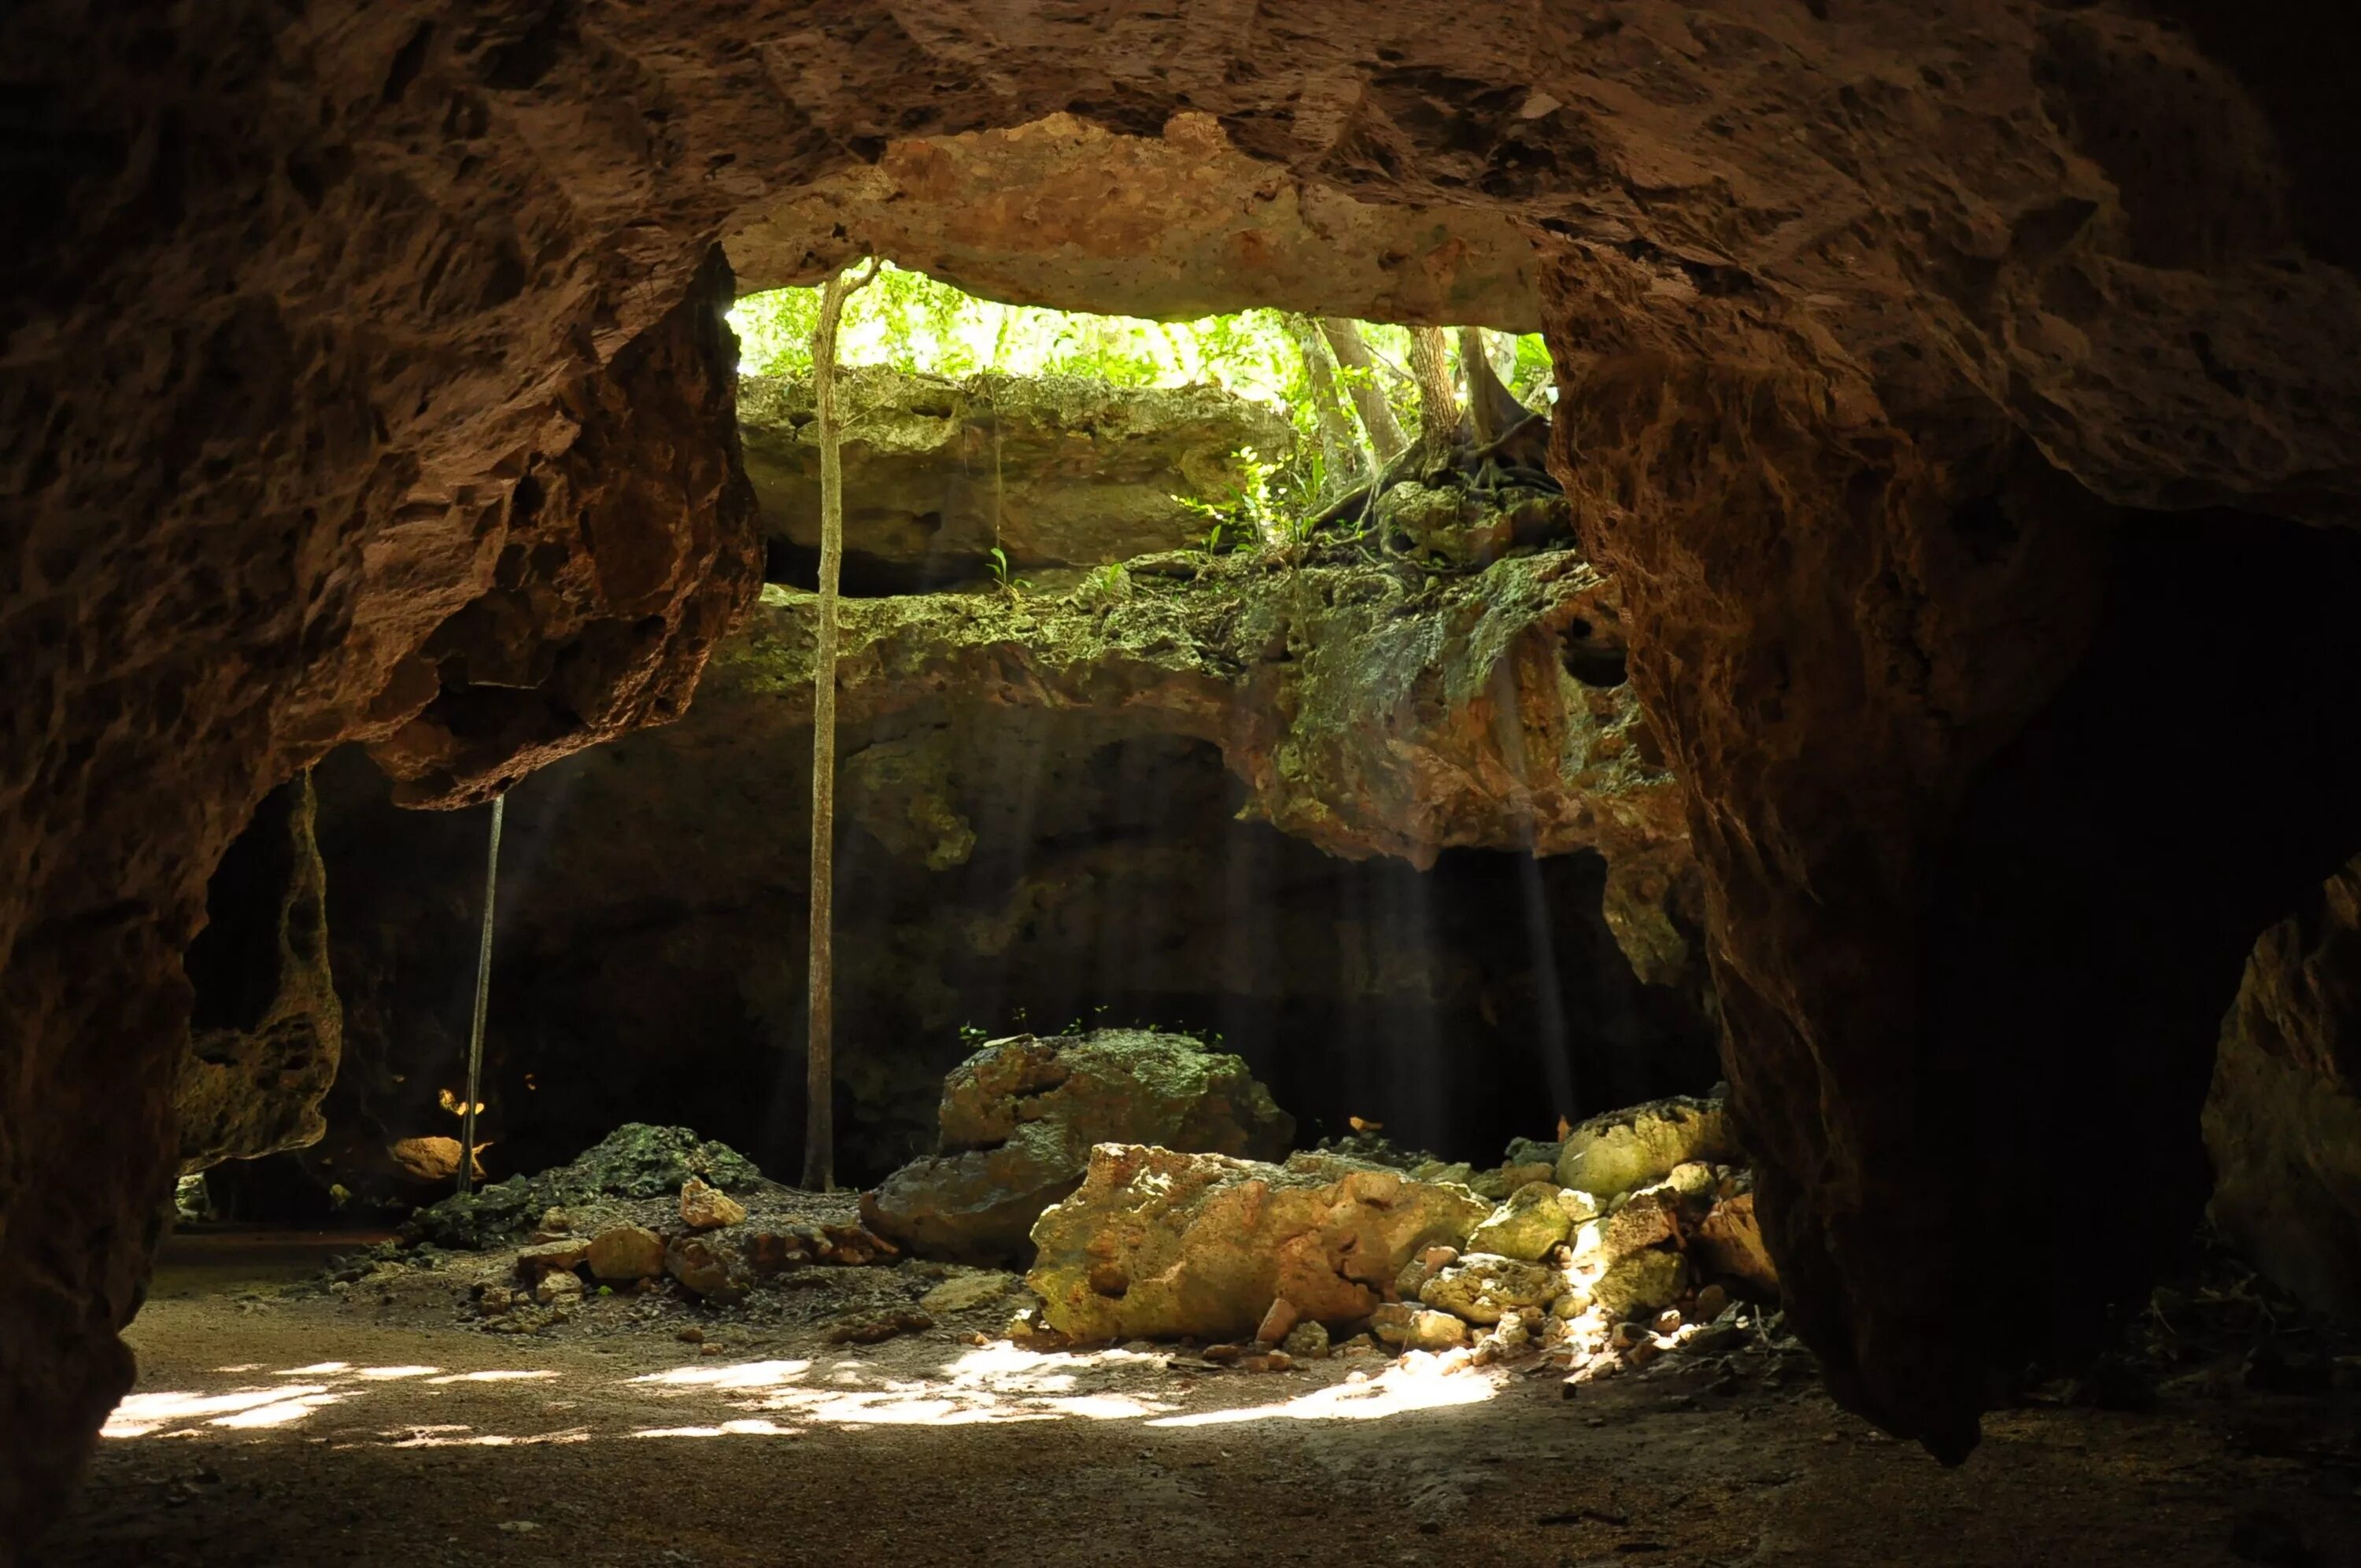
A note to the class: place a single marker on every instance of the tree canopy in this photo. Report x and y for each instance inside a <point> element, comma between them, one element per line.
<point>915,323</point>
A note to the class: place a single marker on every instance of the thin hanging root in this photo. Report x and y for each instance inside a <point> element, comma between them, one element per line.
<point>483,1002</point>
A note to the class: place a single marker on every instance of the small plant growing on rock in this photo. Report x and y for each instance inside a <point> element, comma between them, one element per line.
<point>1008,582</point>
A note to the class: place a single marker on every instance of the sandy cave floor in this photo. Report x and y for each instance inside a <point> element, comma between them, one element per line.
<point>274,1423</point>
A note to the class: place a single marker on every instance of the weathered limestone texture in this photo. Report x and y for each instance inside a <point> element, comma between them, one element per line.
<point>362,382</point>
<point>2283,1121</point>
<point>1048,469</point>
<point>265,1027</point>
<point>1019,1119</point>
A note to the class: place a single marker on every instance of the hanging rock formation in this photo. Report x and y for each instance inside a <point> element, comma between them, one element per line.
<point>1856,309</point>
<point>265,1028</point>
<point>2283,1121</point>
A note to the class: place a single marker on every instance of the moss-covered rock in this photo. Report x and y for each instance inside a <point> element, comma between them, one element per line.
<point>1050,470</point>
<point>1533,1221</point>
<point>1019,1119</point>
<point>1615,1153</point>
<point>635,1160</point>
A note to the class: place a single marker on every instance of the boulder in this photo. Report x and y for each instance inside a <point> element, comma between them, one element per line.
<point>1648,1219</point>
<point>1612,1154</point>
<point>705,1207</point>
<point>1530,1222</point>
<point>1483,1286</point>
<point>1643,1283</point>
<point>2282,1118</point>
<point>1019,1118</point>
<point>626,1252</point>
<point>1157,1244</point>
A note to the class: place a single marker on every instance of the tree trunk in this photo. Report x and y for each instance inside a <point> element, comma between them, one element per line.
<point>1386,438</point>
<point>1347,462</point>
<point>1439,413</point>
<point>1492,407</point>
<point>819,1121</point>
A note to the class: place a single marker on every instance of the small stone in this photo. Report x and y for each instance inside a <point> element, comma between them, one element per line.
<point>1481,1287</point>
<point>1306,1340</point>
<point>1269,1361</point>
<point>1623,1336</point>
<point>495,1300</point>
<point>1692,1179</point>
<point>556,1221</point>
<point>1222,1355</point>
<point>705,1207</point>
<point>712,1350</point>
<point>1570,1305</point>
<point>1276,1322</point>
<point>558,1288</point>
<point>704,1270</point>
<point>871,1327</point>
<point>1431,1330</point>
<point>1646,1351</point>
<point>692,1335</point>
<point>626,1252</point>
<point>1667,1322</point>
<point>1711,1302</point>
<point>1391,1323</point>
<point>549,1257</point>
<point>967,1290</point>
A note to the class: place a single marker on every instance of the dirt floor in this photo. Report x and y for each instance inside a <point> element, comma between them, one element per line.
<point>279,1421</point>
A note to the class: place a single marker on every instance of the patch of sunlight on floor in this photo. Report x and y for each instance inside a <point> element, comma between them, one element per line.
<point>389,1373</point>
<point>727,1429</point>
<point>320,1370</point>
<point>466,1437</point>
<point>513,1375</point>
<point>1397,1391</point>
<point>742,1375</point>
<point>283,1414</point>
<point>140,1414</point>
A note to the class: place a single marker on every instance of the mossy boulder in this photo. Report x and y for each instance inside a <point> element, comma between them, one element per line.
<point>1158,1245</point>
<point>1534,1220</point>
<point>1640,1145</point>
<point>1018,1120</point>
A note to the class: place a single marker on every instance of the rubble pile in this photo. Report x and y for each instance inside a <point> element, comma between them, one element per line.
<point>654,1226</point>
<point>1336,1249</point>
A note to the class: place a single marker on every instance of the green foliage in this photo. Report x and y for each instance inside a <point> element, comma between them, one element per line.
<point>916,322</point>
<point>1009,585</point>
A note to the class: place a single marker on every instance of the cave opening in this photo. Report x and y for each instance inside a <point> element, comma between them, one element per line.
<point>1277,1012</point>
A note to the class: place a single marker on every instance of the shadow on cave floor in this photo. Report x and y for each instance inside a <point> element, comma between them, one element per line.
<point>301,1427</point>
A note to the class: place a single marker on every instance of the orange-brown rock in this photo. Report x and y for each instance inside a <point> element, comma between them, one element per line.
<point>361,381</point>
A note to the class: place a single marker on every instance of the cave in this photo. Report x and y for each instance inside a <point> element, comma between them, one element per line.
<point>1697,899</point>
